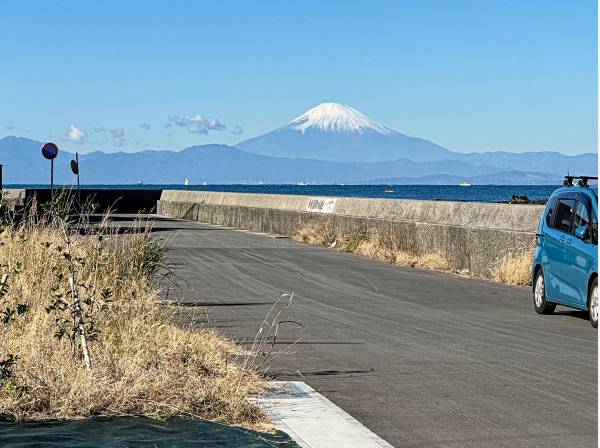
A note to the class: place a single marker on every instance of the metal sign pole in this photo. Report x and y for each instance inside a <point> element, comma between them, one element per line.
<point>51,180</point>
<point>78,189</point>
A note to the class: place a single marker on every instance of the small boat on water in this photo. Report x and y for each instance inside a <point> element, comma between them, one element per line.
<point>464,184</point>
<point>187,182</point>
<point>389,190</point>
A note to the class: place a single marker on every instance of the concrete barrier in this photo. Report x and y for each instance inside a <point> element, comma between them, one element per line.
<point>14,198</point>
<point>116,199</point>
<point>470,236</point>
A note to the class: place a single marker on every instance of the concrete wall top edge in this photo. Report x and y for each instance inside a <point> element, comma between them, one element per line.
<point>116,199</point>
<point>14,193</point>
<point>471,214</point>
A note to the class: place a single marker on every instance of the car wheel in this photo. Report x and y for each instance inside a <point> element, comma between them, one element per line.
<point>593,304</point>
<point>539,295</point>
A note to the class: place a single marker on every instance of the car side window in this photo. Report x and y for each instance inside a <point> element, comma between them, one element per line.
<point>564,215</point>
<point>550,211</point>
<point>594,223</point>
<point>582,218</point>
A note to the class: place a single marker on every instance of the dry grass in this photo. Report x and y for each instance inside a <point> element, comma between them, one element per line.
<point>369,244</point>
<point>373,247</point>
<point>143,363</point>
<point>320,235</point>
<point>433,261</point>
<point>514,269</point>
<point>352,242</point>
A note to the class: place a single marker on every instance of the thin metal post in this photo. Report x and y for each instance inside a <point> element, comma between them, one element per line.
<point>78,189</point>
<point>51,180</point>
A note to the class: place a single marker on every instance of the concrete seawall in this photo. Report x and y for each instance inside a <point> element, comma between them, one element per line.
<point>470,236</point>
<point>115,199</point>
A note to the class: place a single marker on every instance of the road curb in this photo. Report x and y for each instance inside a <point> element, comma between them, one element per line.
<point>312,420</point>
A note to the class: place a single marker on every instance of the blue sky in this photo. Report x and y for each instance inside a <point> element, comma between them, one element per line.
<point>469,75</point>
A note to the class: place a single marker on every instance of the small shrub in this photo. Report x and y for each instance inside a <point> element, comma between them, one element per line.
<point>354,240</point>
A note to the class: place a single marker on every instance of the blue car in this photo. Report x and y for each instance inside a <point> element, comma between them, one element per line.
<point>565,265</point>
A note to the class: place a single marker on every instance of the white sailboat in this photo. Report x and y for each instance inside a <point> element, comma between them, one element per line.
<point>464,184</point>
<point>187,182</point>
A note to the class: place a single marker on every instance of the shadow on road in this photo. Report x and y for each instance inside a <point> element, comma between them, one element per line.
<point>286,373</point>
<point>220,304</point>
<point>307,343</point>
<point>573,313</point>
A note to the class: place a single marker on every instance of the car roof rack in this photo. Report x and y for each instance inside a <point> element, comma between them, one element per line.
<point>583,180</point>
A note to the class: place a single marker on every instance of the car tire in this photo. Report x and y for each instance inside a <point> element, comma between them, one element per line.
<point>539,295</point>
<point>593,303</point>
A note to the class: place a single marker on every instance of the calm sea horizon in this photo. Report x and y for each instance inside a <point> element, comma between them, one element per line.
<point>474,193</point>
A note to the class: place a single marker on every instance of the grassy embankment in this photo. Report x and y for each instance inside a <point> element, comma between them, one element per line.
<point>142,363</point>
<point>512,268</point>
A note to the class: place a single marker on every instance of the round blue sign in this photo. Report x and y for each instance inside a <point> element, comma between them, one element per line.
<point>50,151</point>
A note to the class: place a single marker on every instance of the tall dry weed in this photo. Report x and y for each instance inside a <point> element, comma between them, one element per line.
<point>373,247</point>
<point>514,268</point>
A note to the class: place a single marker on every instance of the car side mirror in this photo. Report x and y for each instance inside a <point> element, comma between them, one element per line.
<point>582,232</point>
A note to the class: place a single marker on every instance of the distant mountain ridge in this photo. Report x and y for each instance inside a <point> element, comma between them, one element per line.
<point>214,164</point>
<point>330,143</point>
<point>499,178</point>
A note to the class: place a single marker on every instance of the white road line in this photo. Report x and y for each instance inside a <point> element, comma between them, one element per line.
<point>312,420</point>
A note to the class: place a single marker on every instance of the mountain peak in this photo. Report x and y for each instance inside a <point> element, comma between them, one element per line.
<point>336,117</point>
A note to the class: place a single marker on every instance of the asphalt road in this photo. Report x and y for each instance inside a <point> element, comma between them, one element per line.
<point>424,359</point>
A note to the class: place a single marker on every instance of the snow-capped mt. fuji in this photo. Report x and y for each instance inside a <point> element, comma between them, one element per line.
<point>337,132</point>
<point>335,117</point>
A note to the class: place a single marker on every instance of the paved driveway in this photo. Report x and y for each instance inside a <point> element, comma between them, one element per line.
<point>422,358</point>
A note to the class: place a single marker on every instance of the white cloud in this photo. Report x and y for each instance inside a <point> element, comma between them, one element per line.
<point>117,136</point>
<point>75,134</point>
<point>237,130</point>
<point>196,124</point>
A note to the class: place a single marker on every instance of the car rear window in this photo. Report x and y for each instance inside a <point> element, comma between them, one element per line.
<point>564,215</point>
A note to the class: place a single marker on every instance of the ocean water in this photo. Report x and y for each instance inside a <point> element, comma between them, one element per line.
<point>474,193</point>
